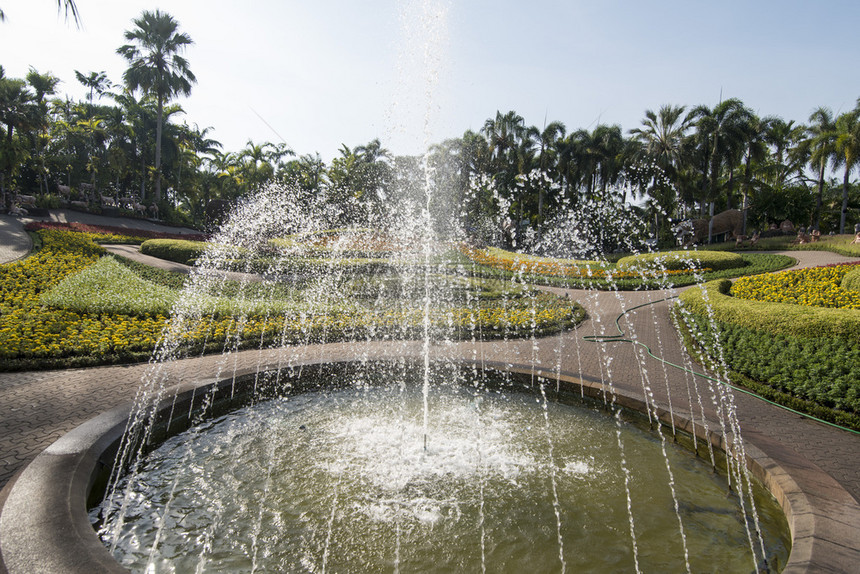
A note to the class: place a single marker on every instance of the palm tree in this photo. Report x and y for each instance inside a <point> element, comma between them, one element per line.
<point>721,135</point>
<point>847,153</point>
<point>822,135</point>
<point>756,151</point>
<point>662,134</point>
<point>662,137</point>
<point>549,138</point>
<point>43,85</point>
<point>156,68</point>
<point>17,112</point>
<point>96,81</point>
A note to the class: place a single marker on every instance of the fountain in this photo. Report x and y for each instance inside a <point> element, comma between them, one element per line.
<point>379,430</point>
<point>379,404</point>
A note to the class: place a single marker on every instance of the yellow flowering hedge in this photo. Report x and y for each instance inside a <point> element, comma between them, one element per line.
<point>807,352</point>
<point>813,287</point>
<point>33,334</point>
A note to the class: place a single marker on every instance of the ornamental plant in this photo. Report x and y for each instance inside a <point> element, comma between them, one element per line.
<point>64,307</point>
<point>814,287</point>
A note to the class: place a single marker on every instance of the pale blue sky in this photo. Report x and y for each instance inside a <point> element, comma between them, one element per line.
<point>324,73</point>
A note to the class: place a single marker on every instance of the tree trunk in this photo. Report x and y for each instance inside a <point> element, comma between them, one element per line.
<point>818,199</point>
<point>844,213</point>
<point>158,150</point>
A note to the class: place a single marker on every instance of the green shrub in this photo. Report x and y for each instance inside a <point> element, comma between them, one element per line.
<point>851,281</point>
<point>679,260</point>
<point>808,352</point>
<point>178,250</point>
<point>777,318</point>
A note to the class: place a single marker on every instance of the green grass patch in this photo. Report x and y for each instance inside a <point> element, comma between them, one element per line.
<point>109,287</point>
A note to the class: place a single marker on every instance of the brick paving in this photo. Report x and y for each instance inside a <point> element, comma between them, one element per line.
<point>38,407</point>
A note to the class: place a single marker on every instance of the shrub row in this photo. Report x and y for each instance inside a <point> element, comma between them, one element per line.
<point>137,235</point>
<point>608,276</point>
<point>679,260</point>
<point>777,318</point>
<point>178,250</point>
<point>808,352</point>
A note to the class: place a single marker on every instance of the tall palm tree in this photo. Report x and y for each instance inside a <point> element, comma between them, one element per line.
<point>821,138</point>
<point>721,135</point>
<point>549,138</point>
<point>756,151</point>
<point>43,85</point>
<point>96,81</point>
<point>847,153</point>
<point>662,154</point>
<point>157,68</point>
<point>17,113</point>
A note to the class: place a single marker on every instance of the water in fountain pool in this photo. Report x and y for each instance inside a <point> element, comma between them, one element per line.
<point>338,480</point>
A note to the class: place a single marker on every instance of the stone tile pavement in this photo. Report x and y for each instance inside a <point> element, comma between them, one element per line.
<point>14,242</point>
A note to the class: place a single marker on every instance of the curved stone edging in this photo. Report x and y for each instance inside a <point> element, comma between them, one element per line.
<point>44,527</point>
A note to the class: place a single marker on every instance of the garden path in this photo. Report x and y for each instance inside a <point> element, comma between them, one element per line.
<point>14,241</point>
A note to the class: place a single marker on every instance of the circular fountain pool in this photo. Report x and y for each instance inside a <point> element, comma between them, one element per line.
<point>341,480</point>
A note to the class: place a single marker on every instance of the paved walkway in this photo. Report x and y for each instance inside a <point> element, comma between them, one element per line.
<point>14,242</point>
<point>36,408</point>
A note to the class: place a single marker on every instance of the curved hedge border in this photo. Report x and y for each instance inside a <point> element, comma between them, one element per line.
<point>807,352</point>
<point>679,260</point>
<point>178,250</point>
<point>851,282</point>
<point>776,318</point>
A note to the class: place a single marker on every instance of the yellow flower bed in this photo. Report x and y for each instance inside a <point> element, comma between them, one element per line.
<point>30,330</point>
<point>812,287</point>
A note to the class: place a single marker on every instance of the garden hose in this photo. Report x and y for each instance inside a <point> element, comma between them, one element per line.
<point>620,338</point>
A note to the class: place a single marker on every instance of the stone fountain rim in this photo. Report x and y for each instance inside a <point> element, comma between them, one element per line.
<point>44,526</point>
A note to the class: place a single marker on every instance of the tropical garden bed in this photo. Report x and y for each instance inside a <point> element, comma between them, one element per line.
<point>791,337</point>
<point>643,271</point>
<point>67,305</point>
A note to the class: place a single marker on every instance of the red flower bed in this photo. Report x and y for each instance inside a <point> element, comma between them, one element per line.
<point>109,229</point>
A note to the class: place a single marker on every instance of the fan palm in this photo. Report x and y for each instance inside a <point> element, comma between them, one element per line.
<point>721,135</point>
<point>157,68</point>
<point>847,153</point>
<point>821,137</point>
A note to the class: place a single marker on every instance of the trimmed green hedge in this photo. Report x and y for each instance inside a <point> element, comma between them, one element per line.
<point>776,318</point>
<point>851,282</point>
<point>178,250</point>
<point>680,260</point>
<point>808,352</point>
